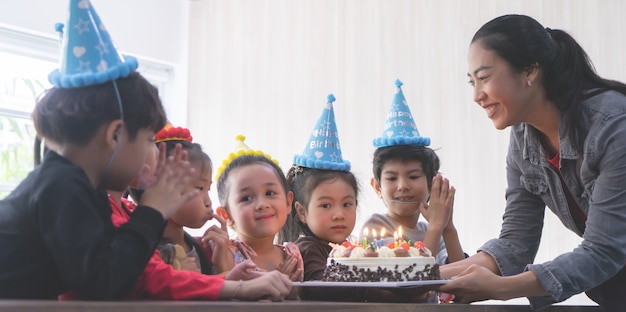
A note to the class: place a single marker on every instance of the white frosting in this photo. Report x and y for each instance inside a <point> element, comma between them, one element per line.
<point>414,252</point>
<point>338,251</point>
<point>386,252</point>
<point>357,252</point>
<point>373,263</point>
<point>386,259</point>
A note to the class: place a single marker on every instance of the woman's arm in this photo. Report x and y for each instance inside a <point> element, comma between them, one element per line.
<point>478,283</point>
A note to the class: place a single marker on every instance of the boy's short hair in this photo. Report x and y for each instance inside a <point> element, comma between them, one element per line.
<point>74,115</point>
<point>405,153</point>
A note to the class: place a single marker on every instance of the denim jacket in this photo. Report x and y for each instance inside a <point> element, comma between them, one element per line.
<point>597,181</point>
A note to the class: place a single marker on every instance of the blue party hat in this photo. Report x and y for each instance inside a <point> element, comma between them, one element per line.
<point>400,128</point>
<point>88,56</point>
<point>323,150</point>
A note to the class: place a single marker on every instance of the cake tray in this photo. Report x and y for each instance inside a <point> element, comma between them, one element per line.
<point>429,284</point>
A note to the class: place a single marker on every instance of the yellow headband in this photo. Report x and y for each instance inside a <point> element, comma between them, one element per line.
<point>241,150</point>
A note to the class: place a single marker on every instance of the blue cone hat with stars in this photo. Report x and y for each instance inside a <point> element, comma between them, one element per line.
<point>323,150</point>
<point>88,56</point>
<point>400,128</point>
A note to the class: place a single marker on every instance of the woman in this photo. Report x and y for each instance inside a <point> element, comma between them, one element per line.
<point>567,151</point>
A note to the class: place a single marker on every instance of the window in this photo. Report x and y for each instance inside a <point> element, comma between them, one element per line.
<point>22,79</point>
<point>26,60</point>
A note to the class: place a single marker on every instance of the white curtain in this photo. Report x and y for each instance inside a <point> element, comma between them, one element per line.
<point>263,68</point>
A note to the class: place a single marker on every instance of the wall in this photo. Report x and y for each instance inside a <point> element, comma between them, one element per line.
<point>263,69</point>
<point>156,31</point>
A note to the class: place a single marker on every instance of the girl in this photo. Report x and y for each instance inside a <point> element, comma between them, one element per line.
<point>324,210</point>
<point>252,190</point>
<point>177,247</point>
<point>566,152</point>
<point>160,281</point>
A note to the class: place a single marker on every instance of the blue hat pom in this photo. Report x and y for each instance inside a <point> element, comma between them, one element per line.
<point>400,128</point>
<point>323,150</point>
<point>88,56</point>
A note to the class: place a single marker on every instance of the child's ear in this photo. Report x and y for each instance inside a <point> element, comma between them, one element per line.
<point>376,186</point>
<point>221,211</point>
<point>289,199</point>
<point>301,212</point>
<point>114,132</point>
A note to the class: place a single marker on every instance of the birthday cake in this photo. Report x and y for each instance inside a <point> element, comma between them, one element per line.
<point>400,263</point>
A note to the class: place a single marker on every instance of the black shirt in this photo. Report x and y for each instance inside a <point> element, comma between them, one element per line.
<point>56,235</point>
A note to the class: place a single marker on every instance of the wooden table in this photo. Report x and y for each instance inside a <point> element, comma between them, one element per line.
<point>288,306</point>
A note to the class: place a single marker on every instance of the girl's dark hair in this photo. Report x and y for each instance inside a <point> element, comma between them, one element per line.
<point>567,72</point>
<point>302,181</point>
<point>73,115</point>
<point>245,160</point>
<point>405,153</point>
<point>194,153</point>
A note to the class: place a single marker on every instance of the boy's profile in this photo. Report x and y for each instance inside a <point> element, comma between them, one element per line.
<point>99,120</point>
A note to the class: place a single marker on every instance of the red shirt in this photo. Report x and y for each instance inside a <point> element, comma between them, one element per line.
<point>159,281</point>
<point>579,216</point>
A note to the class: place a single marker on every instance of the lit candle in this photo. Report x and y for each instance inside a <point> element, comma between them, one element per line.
<point>400,237</point>
<point>395,239</point>
<point>382,237</point>
<point>375,237</point>
<point>365,232</point>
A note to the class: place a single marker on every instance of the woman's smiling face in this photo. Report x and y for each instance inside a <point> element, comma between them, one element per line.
<point>499,90</point>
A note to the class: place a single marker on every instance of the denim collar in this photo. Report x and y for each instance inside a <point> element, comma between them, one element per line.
<point>533,149</point>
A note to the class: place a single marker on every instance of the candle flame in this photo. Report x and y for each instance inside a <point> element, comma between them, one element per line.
<point>400,232</point>
<point>382,232</point>
<point>365,231</point>
<point>374,233</point>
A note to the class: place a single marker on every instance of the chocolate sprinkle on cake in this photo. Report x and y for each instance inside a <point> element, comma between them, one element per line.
<point>336,272</point>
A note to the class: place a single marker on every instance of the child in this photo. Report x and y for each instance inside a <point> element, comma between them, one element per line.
<point>56,225</point>
<point>252,190</point>
<point>324,210</point>
<point>162,282</point>
<point>405,178</point>
<point>99,121</point>
<point>177,247</point>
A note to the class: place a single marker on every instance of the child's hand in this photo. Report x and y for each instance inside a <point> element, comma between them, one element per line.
<point>222,258</point>
<point>293,266</point>
<point>147,175</point>
<point>246,270</point>
<point>168,193</point>
<point>290,268</point>
<point>273,285</point>
<point>438,211</point>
